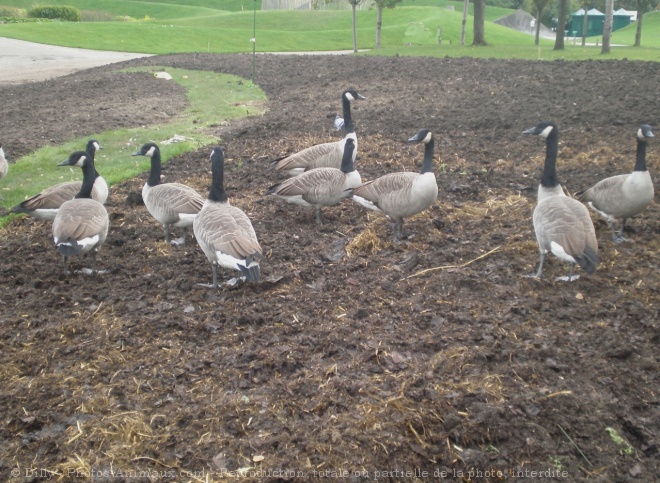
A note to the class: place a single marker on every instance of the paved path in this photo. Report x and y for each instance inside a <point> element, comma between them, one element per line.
<point>22,61</point>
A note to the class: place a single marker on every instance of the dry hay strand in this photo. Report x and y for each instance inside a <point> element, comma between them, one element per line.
<point>367,241</point>
<point>120,440</point>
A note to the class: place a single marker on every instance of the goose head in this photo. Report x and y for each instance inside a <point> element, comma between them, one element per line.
<point>644,132</point>
<point>352,95</point>
<point>147,150</point>
<point>542,129</point>
<point>422,136</point>
<point>77,158</point>
<point>93,146</point>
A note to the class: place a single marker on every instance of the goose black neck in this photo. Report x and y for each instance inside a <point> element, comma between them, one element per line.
<point>87,182</point>
<point>91,153</point>
<point>549,177</point>
<point>427,165</point>
<point>347,159</point>
<point>217,191</point>
<point>640,163</point>
<point>348,120</point>
<point>154,174</point>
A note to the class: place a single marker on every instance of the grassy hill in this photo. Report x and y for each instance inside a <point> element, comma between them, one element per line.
<point>411,28</point>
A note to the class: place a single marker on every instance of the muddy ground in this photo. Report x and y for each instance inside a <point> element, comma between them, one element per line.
<point>353,357</point>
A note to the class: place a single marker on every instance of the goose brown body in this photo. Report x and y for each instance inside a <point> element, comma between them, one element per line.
<point>626,195</point>
<point>44,206</point>
<point>81,224</point>
<point>562,224</point>
<point>224,232</point>
<point>325,155</point>
<point>402,195</point>
<point>171,204</point>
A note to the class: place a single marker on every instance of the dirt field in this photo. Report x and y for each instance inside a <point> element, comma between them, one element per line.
<point>353,358</point>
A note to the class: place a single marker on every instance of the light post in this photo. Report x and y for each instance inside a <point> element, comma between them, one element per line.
<point>254,39</point>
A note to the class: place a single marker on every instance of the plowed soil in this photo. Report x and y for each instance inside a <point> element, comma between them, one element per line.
<point>353,359</point>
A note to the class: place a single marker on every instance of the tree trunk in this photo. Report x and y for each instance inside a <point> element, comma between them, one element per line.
<point>538,27</point>
<point>607,26</point>
<point>561,24</point>
<point>479,22</point>
<point>638,32</point>
<point>585,25</point>
<point>355,48</point>
<point>466,3</point>
<point>379,24</point>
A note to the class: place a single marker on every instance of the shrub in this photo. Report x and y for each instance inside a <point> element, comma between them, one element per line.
<point>60,12</point>
<point>12,12</point>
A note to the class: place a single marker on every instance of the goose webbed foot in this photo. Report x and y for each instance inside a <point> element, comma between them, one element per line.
<point>93,271</point>
<point>178,241</point>
<point>619,238</point>
<point>569,278</point>
<point>208,285</point>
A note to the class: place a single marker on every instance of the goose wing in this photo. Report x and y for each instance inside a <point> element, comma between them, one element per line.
<point>228,230</point>
<point>315,185</point>
<point>385,188</point>
<point>51,198</point>
<point>320,155</point>
<point>565,222</point>
<point>176,197</point>
<point>80,219</point>
<point>604,190</point>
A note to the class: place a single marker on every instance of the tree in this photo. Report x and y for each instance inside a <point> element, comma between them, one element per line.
<point>607,26</point>
<point>561,24</point>
<point>380,5</point>
<point>643,6</point>
<point>479,22</point>
<point>539,6</point>
<point>466,3</point>
<point>354,4</point>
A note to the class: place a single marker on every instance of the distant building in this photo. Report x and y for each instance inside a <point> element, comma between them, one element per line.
<point>596,20</point>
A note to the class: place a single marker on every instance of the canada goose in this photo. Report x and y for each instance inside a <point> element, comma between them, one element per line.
<point>321,186</point>
<point>225,232</point>
<point>401,195</point>
<point>81,224</point>
<point>44,205</point>
<point>171,204</point>
<point>626,195</point>
<point>4,166</point>
<point>562,224</point>
<point>328,155</point>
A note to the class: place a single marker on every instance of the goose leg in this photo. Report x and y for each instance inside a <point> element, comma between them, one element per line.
<point>214,284</point>
<point>395,233</point>
<point>182,240</point>
<point>166,229</point>
<point>540,269</point>
<point>64,261</point>
<point>319,218</point>
<point>618,237</point>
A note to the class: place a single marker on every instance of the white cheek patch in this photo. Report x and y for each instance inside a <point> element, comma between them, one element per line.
<point>546,132</point>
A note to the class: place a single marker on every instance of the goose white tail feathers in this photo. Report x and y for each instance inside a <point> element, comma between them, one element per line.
<point>4,166</point>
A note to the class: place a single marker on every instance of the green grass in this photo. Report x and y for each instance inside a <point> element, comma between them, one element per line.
<point>227,26</point>
<point>234,98</point>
